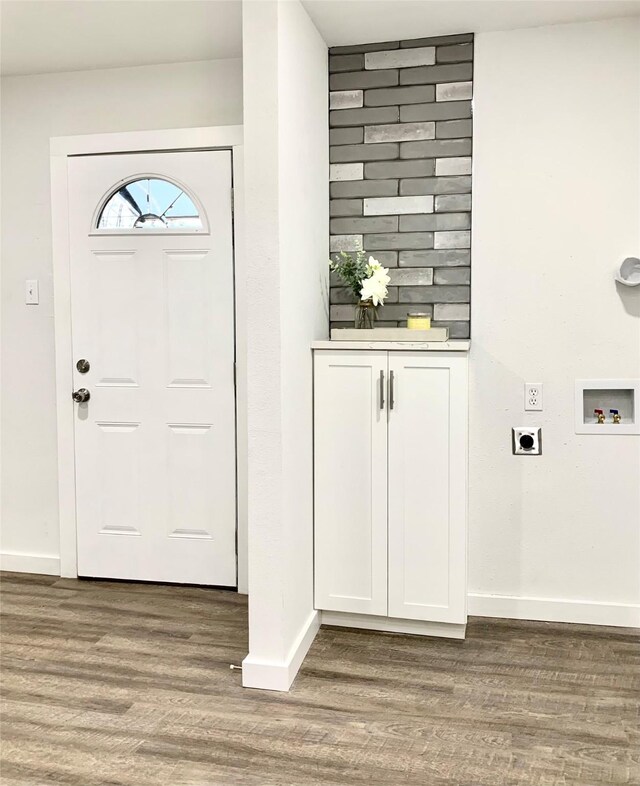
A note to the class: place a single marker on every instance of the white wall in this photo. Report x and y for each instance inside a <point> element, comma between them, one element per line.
<point>35,108</point>
<point>286,199</point>
<point>556,207</point>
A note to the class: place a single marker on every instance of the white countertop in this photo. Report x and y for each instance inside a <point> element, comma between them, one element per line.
<point>454,345</point>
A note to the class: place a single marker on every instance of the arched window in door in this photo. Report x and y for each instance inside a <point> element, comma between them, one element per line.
<point>150,203</point>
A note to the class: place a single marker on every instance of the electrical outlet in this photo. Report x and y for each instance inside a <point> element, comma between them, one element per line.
<point>533,396</point>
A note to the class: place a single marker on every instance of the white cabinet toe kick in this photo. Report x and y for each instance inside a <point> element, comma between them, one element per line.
<point>390,465</point>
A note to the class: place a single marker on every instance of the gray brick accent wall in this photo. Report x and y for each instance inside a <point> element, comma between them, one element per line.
<point>400,179</point>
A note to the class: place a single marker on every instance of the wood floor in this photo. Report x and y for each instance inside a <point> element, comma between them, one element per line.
<point>129,685</point>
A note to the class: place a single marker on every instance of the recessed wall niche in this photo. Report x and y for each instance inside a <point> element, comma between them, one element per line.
<point>595,396</point>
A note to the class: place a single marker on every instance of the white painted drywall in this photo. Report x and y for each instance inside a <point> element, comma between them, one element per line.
<point>35,108</point>
<point>556,207</point>
<point>286,202</point>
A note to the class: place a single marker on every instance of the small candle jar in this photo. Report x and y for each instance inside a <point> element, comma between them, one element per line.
<point>417,320</point>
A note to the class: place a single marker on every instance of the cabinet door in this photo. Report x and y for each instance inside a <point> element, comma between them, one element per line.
<point>428,487</point>
<point>350,447</point>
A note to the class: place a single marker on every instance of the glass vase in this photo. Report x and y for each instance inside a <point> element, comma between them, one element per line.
<point>365,314</point>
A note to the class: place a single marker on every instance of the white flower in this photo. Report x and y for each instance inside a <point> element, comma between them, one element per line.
<point>374,287</point>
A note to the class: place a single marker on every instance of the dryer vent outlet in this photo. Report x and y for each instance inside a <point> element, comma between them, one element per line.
<point>526,441</point>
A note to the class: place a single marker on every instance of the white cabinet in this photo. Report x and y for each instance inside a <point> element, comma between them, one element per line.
<point>391,485</point>
<point>350,446</point>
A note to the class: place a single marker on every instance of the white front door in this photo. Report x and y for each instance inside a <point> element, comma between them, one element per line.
<point>152,293</point>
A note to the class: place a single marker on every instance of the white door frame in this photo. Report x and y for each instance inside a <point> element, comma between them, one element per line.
<point>61,148</point>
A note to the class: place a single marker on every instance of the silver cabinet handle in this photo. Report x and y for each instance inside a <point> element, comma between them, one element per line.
<point>382,390</point>
<point>392,400</point>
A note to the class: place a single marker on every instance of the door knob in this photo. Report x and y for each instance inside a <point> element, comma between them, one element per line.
<point>82,395</point>
<point>83,366</point>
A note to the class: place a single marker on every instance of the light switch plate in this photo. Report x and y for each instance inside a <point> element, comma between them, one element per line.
<point>31,294</point>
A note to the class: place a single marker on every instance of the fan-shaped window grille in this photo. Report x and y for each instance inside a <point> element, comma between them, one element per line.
<point>150,203</point>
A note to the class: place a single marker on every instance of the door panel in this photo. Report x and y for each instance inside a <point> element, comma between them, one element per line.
<point>350,482</point>
<point>153,314</point>
<point>427,488</point>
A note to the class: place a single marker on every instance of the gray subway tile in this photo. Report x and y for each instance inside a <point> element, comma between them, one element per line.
<point>346,99</point>
<point>353,171</point>
<point>434,294</point>
<point>387,313</point>
<point>448,258</point>
<point>412,168</point>
<point>437,185</point>
<point>399,132</point>
<point>353,62</point>
<point>454,239</point>
<point>398,241</point>
<point>456,329</point>
<point>363,188</point>
<point>346,226</point>
<point>363,80</point>
<point>362,117</point>
<point>379,323</point>
<point>382,152</point>
<point>447,110</point>
<point>421,94</point>
<point>384,206</point>
<point>452,275</point>
<point>434,222</point>
<point>341,295</point>
<point>417,276</point>
<point>437,74</point>
<point>456,53</point>
<point>401,58</point>
<point>345,243</point>
<point>387,258</point>
<point>345,207</point>
<point>453,166</point>
<point>435,148</point>
<point>346,136</point>
<point>449,203</point>
<point>438,40</point>
<point>400,312</point>
<point>350,50</point>
<point>453,129</point>
<point>456,91</point>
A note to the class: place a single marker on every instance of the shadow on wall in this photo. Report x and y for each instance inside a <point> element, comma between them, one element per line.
<point>630,297</point>
<point>496,479</point>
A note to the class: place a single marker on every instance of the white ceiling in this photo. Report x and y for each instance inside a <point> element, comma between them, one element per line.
<point>365,21</point>
<point>44,36</point>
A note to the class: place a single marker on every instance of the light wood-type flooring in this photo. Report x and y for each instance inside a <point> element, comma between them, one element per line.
<point>129,685</point>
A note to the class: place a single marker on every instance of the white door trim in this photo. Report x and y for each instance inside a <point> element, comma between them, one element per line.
<point>61,148</point>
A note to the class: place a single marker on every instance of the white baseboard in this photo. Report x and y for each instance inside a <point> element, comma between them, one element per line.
<point>554,610</point>
<point>279,675</point>
<point>343,619</point>
<point>18,562</point>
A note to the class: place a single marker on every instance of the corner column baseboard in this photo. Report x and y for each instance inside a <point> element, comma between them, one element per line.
<point>279,675</point>
<point>20,562</point>
<point>554,610</point>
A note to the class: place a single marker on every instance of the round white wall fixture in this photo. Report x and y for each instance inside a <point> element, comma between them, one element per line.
<point>629,273</point>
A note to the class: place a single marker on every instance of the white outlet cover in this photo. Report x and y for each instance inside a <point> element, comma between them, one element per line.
<point>526,440</point>
<point>531,388</point>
